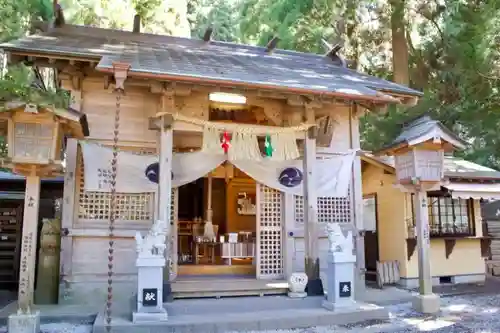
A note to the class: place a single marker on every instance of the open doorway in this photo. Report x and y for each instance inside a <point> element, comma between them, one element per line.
<point>226,246</point>
<point>371,235</point>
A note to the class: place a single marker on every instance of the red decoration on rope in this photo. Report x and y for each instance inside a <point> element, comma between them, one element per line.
<point>225,142</point>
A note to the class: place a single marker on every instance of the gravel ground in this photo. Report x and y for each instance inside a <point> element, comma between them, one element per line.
<point>461,314</point>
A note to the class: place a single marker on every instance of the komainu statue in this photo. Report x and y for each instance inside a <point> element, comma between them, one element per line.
<point>153,244</point>
<point>338,243</point>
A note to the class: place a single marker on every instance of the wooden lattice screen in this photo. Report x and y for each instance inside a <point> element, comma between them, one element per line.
<point>330,209</point>
<point>130,208</point>
<point>269,233</point>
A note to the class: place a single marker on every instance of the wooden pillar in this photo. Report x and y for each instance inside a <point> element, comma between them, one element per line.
<point>314,285</point>
<point>165,191</point>
<point>357,206</point>
<point>68,212</point>
<point>29,244</point>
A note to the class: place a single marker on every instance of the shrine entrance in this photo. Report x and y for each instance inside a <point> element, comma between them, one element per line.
<point>242,238</point>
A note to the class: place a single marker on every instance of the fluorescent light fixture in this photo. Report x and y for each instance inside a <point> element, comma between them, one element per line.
<point>227,98</point>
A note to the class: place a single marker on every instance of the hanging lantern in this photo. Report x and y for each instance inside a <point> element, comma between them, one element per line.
<point>153,172</point>
<point>290,177</point>
<point>35,136</point>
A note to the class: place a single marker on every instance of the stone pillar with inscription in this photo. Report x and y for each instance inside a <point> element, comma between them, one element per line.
<point>150,263</point>
<point>340,271</point>
<point>26,320</point>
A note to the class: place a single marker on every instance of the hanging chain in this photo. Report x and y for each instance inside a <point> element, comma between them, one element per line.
<point>112,208</point>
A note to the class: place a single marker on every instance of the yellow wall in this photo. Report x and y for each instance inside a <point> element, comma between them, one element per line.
<point>393,212</point>
<point>390,215</point>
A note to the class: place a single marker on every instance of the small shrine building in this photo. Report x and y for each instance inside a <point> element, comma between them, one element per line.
<point>289,125</point>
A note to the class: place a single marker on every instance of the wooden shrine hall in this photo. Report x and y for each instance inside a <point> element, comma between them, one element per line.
<point>261,145</point>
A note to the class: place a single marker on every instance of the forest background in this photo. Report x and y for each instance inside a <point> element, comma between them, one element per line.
<point>449,49</point>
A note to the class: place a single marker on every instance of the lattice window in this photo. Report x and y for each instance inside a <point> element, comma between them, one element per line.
<point>134,207</point>
<point>270,233</point>
<point>330,209</point>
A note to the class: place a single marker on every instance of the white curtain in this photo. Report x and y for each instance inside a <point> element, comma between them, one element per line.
<point>188,167</point>
<point>131,176</point>
<point>332,174</point>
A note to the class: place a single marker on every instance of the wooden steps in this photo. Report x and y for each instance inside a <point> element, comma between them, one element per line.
<point>214,270</point>
<point>193,287</point>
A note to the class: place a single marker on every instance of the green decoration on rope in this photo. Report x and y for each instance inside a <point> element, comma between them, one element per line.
<point>268,148</point>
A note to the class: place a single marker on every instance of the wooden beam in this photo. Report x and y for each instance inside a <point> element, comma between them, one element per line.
<point>207,36</point>
<point>178,89</point>
<point>164,122</point>
<point>295,100</point>
<point>107,81</point>
<point>272,44</point>
<point>325,129</point>
<point>156,87</point>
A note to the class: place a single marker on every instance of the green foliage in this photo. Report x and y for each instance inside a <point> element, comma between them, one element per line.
<point>300,24</point>
<point>16,16</point>
<point>460,88</point>
<point>146,8</point>
<point>16,86</point>
<point>222,16</point>
<point>454,56</point>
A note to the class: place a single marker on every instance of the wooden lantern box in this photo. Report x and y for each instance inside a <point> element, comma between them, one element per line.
<point>423,165</point>
<point>35,136</point>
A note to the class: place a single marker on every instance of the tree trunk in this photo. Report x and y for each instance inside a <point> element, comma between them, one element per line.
<point>399,43</point>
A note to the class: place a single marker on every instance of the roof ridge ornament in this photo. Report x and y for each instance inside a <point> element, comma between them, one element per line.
<point>271,45</point>
<point>333,52</point>
<point>207,36</point>
<point>137,24</point>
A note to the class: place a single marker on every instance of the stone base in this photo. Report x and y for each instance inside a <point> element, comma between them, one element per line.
<point>412,283</point>
<point>292,294</point>
<point>149,317</point>
<point>340,305</point>
<point>428,304</point>
<point>168,297</point>
<point>247,314</point>
<point>24,323</point>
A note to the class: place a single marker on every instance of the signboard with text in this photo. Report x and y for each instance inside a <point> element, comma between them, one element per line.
<point>344,289</point>
<point>150,297</point>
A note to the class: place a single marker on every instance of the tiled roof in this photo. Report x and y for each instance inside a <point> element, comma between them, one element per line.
<point>184,58</point>
<point>420,127</point>
<point>454,167</point>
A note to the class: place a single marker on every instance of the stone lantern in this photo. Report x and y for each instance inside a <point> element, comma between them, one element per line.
<point>419,162</point>
<point>35,136</point>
